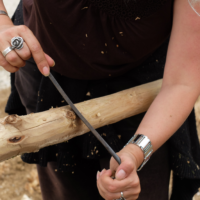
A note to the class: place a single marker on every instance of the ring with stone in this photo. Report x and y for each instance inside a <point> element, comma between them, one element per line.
<point>17,43</point>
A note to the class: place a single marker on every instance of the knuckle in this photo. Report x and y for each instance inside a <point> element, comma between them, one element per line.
<point>36,48</point>
<point>135,183</point>
<point>111,188</point>
<point>7,33</point>
<point>129,165</point>
<point>11,58</point>
<point>23,28</point>
<point>26,55</point>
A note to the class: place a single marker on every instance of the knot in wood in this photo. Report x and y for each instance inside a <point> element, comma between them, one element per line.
<point>71,115</point>
<point>16,139</point>
<point>12,119</point>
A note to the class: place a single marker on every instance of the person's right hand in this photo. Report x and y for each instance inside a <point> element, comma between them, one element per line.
<point>15,59</point>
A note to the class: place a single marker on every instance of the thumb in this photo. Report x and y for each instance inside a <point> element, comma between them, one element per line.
<point>124,170</point>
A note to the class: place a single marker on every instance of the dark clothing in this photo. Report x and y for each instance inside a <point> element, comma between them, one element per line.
<point>184,146</point>
<point>154,179</point>
<point>95,39</point>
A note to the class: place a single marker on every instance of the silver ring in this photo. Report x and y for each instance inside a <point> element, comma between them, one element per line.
<point>6,51</point>
<point>122,197</point>
<point>17,43</point>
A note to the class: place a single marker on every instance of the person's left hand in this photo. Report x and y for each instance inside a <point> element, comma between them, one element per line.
<point>126,178</point>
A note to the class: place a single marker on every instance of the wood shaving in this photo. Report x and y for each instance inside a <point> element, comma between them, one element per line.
<point>84,8</point>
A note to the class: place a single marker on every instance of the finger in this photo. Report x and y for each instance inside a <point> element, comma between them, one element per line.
<point>113,164</point>
<point>12,57</point>
<point>14,60</point>
<point>50,60</point>
<point>128,194</point>
<point>108,192</point>
<point>11,69</point>
<point>126,167</point>
<point>24,53</point>
<point>6,65</point>
<point>36,49</point>
<point>115,185</point>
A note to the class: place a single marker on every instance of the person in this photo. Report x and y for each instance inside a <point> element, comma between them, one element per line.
<point>102,47</point>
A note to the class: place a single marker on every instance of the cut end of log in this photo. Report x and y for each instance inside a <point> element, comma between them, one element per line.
<point>12,119</point>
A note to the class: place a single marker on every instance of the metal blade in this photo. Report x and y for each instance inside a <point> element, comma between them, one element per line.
<point>97,135</point>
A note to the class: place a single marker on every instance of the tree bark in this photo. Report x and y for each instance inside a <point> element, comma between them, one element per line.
<point>23,134</point>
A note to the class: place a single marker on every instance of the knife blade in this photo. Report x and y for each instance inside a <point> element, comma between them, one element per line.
<point>96,134</point>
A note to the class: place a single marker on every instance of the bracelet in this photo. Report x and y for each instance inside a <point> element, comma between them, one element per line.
<point>3,12</point>
<point>144,143</point>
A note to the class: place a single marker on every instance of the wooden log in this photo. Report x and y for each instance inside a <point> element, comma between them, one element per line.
<point>20,134</point>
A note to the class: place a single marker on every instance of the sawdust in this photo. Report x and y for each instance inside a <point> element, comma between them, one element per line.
<point>19,181</point>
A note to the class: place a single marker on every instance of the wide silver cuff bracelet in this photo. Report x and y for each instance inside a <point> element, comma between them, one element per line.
<point>144,143</point>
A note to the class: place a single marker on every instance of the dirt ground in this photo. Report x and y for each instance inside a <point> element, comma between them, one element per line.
<point>19,181</point>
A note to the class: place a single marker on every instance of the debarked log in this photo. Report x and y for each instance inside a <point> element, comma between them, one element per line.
<point>29,133</point>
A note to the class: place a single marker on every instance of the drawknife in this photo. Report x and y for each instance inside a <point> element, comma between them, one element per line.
<point>96,134</point>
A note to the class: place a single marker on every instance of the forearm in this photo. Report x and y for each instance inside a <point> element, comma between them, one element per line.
<point>181,82</point>
<point>4,19</point>
<point>167,113</point>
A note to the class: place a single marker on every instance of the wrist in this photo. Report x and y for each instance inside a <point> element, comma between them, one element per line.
<point>5,20</point>
<point>137,154</point>
<point>144,144</point>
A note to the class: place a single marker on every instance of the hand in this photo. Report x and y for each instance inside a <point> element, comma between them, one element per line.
<point>15,59</point>
<point>127,180</point>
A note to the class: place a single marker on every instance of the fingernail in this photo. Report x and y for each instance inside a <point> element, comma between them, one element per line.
<point>46,71</point>
<point>98,174</point>
<point>54,64</point>
<point>102,172</point>
<point>121,174</point>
